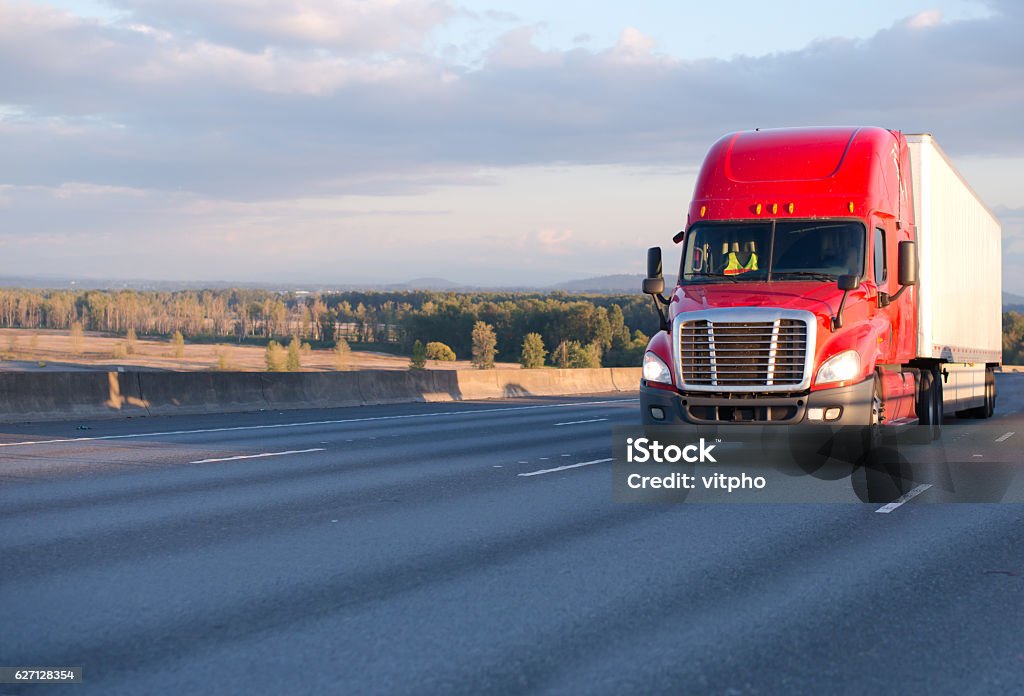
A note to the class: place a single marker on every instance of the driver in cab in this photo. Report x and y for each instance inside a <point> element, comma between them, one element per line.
<point>741,262</point>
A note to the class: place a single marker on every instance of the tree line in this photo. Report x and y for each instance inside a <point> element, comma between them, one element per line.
<point>533,328</point>
<point>564,329</point>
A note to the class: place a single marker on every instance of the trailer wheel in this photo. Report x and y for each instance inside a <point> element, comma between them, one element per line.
<point>929,404</point>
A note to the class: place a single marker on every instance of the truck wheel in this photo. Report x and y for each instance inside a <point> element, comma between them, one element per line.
<point>989,407</point>
<point>873,435</point>
<point>929,404</point>
<point>990,391</point>
<point>868,438</point>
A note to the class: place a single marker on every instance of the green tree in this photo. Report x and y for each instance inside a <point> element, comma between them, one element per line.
<point>574,354</point>
<point>533,351</point>
<point>275,357</point>
<point>1013,338</point>
<point>342,354</point>
<point>440,351</point>
<point>560,357</point>
<point>419,356</point>
<point>629,354</point>
<point>485,345</point>
<point>130,341</point>
<point>294,361</point>
<point>586,356</point>
<point>178,341</point>
<point>327,322</point>
<point>617,323</point>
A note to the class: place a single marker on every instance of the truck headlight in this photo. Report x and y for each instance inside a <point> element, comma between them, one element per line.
<point>655,369</point>
<point>841,367</point>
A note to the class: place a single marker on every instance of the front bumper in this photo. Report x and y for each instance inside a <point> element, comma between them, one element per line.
<point>704,409</point>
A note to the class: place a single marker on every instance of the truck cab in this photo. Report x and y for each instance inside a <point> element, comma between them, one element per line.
<point>798,290</point>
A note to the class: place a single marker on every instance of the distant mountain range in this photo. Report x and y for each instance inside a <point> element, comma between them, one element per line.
<point>613,284</point>
<point>619,284</point>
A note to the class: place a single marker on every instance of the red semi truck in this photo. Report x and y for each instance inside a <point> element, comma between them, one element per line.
<point>829,276</point>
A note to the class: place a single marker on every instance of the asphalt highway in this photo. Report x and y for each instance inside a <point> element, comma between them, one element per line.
<point>475,548</point>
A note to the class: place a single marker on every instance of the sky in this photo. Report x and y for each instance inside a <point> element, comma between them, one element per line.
<point>490,143</point>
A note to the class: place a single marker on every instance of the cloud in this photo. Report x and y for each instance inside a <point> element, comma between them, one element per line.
<point>202,105</point>
<point>925,20</point>
<point>217,98</point>
<point>348,26</point>
<point>553,241</point>
<point>634,45</point>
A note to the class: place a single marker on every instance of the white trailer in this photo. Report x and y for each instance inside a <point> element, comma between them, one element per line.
<point>959,300</point>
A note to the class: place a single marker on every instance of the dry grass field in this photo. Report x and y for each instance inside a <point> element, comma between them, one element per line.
<point>34,349</point>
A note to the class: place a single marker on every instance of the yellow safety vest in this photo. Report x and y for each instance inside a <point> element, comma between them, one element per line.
<point>734,266</point>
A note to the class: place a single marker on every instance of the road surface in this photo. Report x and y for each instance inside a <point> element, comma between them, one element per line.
<point>473,548</point>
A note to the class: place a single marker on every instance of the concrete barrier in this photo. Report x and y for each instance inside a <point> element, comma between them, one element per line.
<point>481,384</point>
<point>169,393</point>
<point>33,396</point>
<point>394,387</point>
<point>497,384</point>
<point>626,378</point>
<point>312,389</point>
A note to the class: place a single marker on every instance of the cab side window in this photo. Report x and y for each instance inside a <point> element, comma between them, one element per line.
<point>880,269</point>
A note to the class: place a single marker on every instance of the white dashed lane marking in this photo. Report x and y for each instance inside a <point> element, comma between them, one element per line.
<point>592,420</point>
<point>257,456</point>
<point>912,493</point>
<point>563,468</point>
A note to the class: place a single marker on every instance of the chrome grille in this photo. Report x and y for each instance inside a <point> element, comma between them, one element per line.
<point>743,354</point>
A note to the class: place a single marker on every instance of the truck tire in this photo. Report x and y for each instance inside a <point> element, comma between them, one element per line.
<point>989,407</point>
<point>929,404</point>
<point>867,438</point>
<point>873,434</point>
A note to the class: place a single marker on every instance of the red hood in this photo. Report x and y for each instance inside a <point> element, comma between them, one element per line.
<point>815,296</point>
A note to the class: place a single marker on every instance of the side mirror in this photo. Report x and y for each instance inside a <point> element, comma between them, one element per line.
<point>654,283</point>
<point>848,282</point>
<point>907,264</point>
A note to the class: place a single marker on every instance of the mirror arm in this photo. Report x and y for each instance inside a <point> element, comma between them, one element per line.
<point>658,302</point>
<point>837,320</point>
<point>893,298</point>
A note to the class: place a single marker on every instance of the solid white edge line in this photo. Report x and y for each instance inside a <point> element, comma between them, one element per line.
<point>1003,438</point>
<point>912,493</point>
<point>257,456</point>
<point>563,468</point>
<point>592,420</point>
<point>340,421</point>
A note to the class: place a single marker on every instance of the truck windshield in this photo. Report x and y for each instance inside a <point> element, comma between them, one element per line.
<point>775,250</point>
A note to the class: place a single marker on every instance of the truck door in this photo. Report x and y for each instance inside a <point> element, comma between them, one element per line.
<point>880,271</point>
